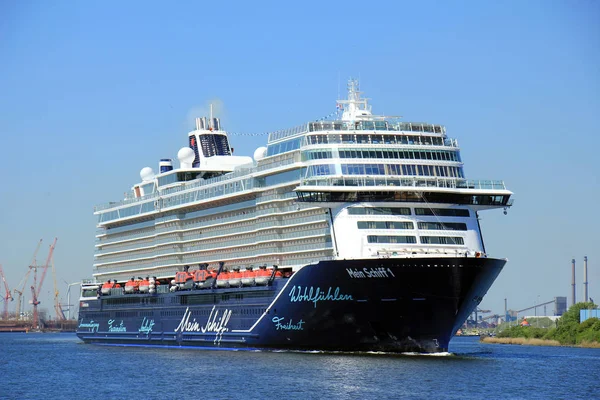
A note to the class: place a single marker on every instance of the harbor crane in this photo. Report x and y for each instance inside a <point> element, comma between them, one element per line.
<point>23,282</point>
<point>7,296</point>
<point>36,289</point>
<point>534,307</point>
<point>60,315</point>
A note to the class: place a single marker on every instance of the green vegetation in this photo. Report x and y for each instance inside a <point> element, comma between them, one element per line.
<point>568,330</point>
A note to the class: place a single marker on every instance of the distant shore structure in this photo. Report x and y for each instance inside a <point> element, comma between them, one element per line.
<point>573,299</point>
<point>585,279</point>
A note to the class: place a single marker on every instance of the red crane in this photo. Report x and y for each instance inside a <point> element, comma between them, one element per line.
<point>7,296</point>
<point>35,292</point>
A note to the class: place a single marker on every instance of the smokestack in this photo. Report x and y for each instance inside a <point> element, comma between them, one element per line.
<point>585,282</point>
<point>573,282</point>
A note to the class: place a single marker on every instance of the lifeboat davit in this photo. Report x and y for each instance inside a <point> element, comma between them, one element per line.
<point>211,277</point>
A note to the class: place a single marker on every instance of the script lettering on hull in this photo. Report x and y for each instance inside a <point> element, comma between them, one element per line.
<point>280,325</point>
<point>217,323</point>
<point>315,295</point>
<point>366,273</point>
<point>112,327</point>
<point>147,325</point>
<point>92,326</point>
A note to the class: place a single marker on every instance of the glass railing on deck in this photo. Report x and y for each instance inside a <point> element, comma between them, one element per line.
<point>385,125</point>
<point>276,197</point>
<point>481,184</point>
<point>380,125</point>
<point>287,133</point>
<point>376,139</point>
<point>403,182</point>
<point>205,189</point>
<point>128,200</point>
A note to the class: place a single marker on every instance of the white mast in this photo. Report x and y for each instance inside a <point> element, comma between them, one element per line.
<point>354,107</point>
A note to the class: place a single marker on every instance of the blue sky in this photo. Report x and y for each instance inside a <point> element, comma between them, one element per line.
<point>91,92</point>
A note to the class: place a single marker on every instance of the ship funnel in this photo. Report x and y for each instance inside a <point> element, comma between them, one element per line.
<point>202,124</point>
<point>216,124</point>
<point>165,165</point>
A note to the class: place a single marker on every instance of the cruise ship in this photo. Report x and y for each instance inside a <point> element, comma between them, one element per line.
<point>359,232</point>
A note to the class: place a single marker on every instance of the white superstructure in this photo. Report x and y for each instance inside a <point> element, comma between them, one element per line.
<point>360,187</point>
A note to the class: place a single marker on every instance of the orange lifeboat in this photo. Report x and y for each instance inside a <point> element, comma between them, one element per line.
<point>200,276</point>
<point>262,276</point>
<point>211,273</point>
<point>223,279</point>
<point>211,276</point>
<point>130,286</point>
<point>106,288</point>
<point>184,280</point>
<point>235,278</point>
<point>248,277</point>
<point>144,285</point>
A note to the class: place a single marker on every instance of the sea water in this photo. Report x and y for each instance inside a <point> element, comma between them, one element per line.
<point>60,366</point>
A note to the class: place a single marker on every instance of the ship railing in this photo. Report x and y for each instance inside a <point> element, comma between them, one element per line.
<point>276,197</point>
<point>116,291</point>
<point>127,200</point>
<point>360,181</point>
<point>286,159</point>
<point>284,133</point>
<point>162,289</point>
<point>379,125</point>
<point>379,139</point>
<point>244,184</point>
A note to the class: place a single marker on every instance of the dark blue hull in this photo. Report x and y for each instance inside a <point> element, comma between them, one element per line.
<point>392,305</point>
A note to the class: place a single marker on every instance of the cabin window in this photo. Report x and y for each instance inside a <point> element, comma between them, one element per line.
<point>450,226</point>
<point>391,239</point>
<point>443,212</point>
<point>442,240</point>
<point>379,211</point>
<point>385,225</point>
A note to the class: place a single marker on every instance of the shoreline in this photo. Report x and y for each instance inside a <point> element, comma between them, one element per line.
<point>536,342</point>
